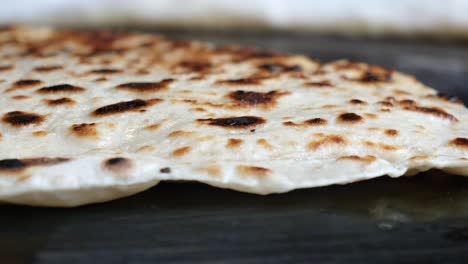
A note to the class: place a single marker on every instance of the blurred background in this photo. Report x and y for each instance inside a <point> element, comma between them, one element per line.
<point>428,39</point>
<point>433,18</point>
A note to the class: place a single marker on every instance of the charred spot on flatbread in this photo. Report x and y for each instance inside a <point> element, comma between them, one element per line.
<point>61,88</point>
<point>241,122</point>
<point>18,165</point>
<point>124,107</point>
<point>145,87</point>
<point>21,119</point>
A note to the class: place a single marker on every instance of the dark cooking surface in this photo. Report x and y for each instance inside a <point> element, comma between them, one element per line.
<point>422,219</point>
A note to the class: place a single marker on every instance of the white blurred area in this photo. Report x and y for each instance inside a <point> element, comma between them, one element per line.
<point>374,17</point>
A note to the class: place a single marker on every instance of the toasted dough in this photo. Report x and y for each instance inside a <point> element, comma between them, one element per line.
<point>88,117</point>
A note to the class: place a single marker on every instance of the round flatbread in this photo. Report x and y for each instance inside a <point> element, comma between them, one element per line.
<point>89,117</point>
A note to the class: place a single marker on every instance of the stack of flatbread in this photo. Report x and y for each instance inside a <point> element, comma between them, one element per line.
<point>88,117</point>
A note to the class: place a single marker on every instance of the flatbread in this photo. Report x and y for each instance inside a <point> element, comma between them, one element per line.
<point>89,117</point>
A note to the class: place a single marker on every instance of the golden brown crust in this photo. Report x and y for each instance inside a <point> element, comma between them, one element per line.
<point>234,143</point>
<point>265,144</point>
<point>180,133</point>
<point>253,171</point>
<point>213,170</point>
<point>153,127</point>
<point>328,140</point>
<point>40,133</point>
<point>4,68</point>
<point>460,143</point>
<point>391,132</point>
<point>85,130</point>
<point>366,159</point>
<point>21,97</point>
<point>181,151</point>
<point>434,111</point>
